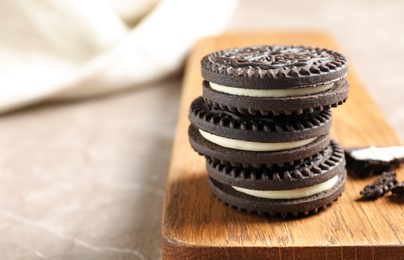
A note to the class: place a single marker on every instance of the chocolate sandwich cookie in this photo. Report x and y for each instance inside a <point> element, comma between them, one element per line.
<point>247,139</point>
<point>298,190</point>
<point>254,159</point>
<point>275,79</point>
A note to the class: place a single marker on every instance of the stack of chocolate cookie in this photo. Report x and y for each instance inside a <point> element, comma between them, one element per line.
<point>263,126</point>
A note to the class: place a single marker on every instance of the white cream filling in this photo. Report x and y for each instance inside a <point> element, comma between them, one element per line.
<point>271,92</point>
<point>290,194</point>
<point>385,154</point>
<point>253,146</point>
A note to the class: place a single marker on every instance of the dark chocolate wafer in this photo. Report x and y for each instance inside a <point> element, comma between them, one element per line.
<point>278,105</point>
<point>274,67</point>
<point>273,129</point>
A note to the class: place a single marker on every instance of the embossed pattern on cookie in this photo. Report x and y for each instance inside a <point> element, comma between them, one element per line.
<point>273,66</point>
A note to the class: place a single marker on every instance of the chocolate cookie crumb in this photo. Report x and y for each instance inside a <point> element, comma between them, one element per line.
<point>398,189</point>
<point>384,183</point>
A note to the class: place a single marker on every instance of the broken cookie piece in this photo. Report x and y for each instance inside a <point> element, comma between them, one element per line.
<point>369,161</point>
<point>384,183</point>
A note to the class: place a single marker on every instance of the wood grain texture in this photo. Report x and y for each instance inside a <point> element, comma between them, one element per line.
<point>196,225</point>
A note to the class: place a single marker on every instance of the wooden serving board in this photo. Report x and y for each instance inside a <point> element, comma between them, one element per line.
<point>196,225</point>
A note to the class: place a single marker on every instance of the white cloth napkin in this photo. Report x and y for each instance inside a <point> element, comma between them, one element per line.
<point>65,49</point>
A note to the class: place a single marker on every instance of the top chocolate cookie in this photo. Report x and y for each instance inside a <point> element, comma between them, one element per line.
<point>275,79</point>
<point>274,67</point>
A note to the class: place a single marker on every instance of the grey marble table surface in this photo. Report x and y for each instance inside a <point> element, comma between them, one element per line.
<point>86,179</point>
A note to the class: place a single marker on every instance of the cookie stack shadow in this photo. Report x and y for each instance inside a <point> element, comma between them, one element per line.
<point>263,126</point>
